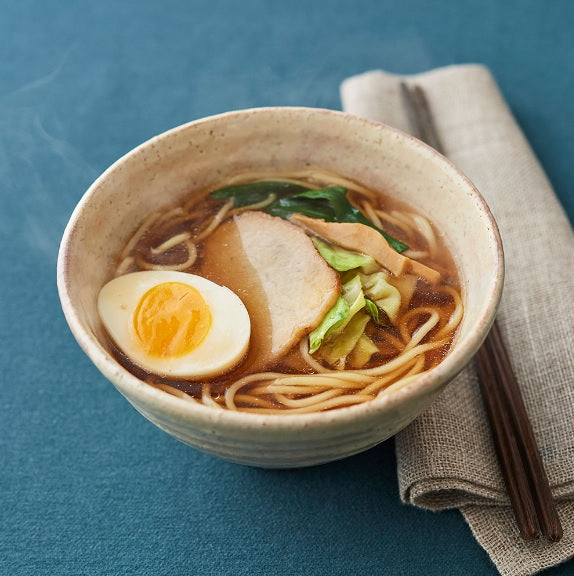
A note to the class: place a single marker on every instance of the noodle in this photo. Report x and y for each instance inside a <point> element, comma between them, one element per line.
<point>173,391</point>
<point>217,220</point>
<point>414,338</point>
<point>371,214</point>
<point>397,223</point>
<point>257,206</point>
<point>191,257</point>
<point>206,397</point>
<point>170,243</point>
<point>308,400</point>
<point>329,404</point>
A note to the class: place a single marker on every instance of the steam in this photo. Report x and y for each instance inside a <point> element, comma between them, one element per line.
<point>43,174</point>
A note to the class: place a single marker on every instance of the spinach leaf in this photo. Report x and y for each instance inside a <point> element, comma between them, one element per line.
<point>329,203</point>
<point>255,192</point>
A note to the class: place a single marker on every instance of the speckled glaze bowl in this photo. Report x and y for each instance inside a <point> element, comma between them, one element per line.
<point>193,156</point>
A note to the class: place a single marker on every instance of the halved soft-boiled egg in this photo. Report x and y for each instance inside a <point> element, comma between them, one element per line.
<point>174,323</point>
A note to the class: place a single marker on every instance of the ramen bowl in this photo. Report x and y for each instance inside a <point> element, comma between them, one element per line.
<point>195,156</point>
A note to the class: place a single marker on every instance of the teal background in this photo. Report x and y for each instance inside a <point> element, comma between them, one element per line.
<point>87,486</point>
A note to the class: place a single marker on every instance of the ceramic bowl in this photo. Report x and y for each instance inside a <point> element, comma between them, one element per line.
<point>196,155</point>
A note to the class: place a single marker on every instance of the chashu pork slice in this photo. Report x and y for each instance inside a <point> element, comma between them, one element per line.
<point>274,268</point>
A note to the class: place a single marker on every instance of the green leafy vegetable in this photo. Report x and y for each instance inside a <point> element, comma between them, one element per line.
<point>341,335</point>
<point>372,310</point>
<point>348,304</point>
<point>337,350</point>
<point>255,192</point>
<point>383,295</point>
<point>329,203</point>
<point>335,317</point>
<point>352,292</point>
<point>341,259</point>
<point>361,353</point>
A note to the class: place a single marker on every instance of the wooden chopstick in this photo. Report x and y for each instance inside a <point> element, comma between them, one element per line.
<point>518,455</point>
<point>543,500</point>
<point>506,445</point>
<point>420,117</point>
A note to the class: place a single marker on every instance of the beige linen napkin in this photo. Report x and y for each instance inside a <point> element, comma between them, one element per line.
<point>446,457</point>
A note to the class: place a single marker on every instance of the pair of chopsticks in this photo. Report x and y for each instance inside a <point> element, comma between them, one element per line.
<point>518,454</point>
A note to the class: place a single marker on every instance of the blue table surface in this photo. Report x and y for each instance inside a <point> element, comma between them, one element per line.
<point>88,486</point>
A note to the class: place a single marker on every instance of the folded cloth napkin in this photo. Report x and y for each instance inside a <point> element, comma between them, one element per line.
<point>446,458</point>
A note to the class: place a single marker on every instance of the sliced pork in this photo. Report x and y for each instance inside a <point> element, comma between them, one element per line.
<point>274,268</point>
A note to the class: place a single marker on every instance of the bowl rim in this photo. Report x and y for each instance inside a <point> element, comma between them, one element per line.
<point>183,410</point>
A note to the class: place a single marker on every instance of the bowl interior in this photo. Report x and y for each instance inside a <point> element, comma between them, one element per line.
<point>193,157</point>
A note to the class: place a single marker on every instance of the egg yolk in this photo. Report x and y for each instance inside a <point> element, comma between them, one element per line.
<point>171,319</point>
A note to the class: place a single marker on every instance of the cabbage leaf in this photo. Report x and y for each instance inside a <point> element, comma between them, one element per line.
<point>361,353</point>
<point>373,311</point>
<point>335,351</point>
<point>347,305</point>
<point>335,317</point>
<point>341,259</point>
<point>341,337</point>
<point>384,295</point>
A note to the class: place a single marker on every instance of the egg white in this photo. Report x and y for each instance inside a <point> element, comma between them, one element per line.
<point>225,345</point>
